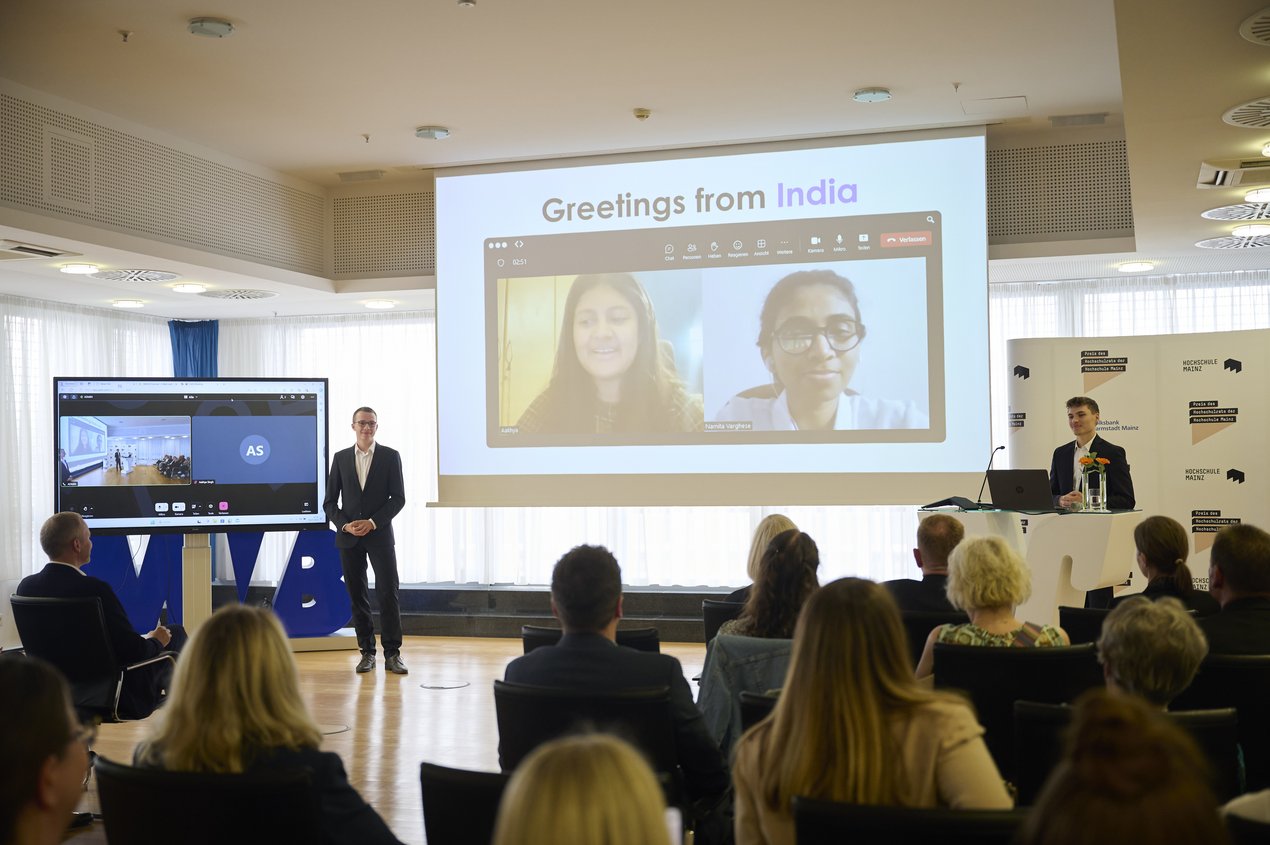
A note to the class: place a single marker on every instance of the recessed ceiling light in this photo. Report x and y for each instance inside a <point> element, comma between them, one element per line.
<point>210,27</point>
<point>188,287</point>
<point>79,269</point>
<point>432,133</point>
<point>1252,230</point>
<point>1259,195</point>
<point>1265,150</point>
<point>1135,267</point>
<point>380,304</point>
<point>128,303</point>
<point>872,95</point>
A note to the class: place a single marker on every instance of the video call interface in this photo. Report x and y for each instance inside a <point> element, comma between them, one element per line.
<point>197,454</point>
<point>706,287</point>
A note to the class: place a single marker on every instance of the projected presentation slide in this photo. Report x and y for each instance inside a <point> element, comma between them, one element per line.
<point>814,330</point>
<point>805,320</point>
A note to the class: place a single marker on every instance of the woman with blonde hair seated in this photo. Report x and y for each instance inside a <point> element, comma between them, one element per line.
<point>988,580</point>
<point>235,706</point>
<point>768,527</point>
<point>583,790</point>
<point>853,725</point>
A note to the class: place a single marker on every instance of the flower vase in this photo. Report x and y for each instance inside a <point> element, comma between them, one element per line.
<point>1095,487</point>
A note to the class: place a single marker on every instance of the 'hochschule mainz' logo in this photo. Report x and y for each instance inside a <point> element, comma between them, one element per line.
<point>1022,372</point>
<point>1233,365</point>
<point>1235,475</point>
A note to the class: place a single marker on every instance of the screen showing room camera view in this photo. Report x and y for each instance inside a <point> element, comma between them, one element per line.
<point>805,321</point>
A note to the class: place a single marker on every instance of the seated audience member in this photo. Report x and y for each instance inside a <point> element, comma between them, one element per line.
<point>937,536</point>
<point>1162,549</point>
<point>988,580</point>
<point>1151,649</point>
<point>786,577</point>
<point>586,595</point>
<point>68,543</point>
<point>236,707</point>
<point>43,753</point>
<point>1128,775</point>
<point>853,725</point>
<point>768,528</point>
<point>581,791</point>
<point>1239,578</point>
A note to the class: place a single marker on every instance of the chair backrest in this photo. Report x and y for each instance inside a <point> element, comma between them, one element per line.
<point>755,707</point>
<point>832,823</point>
<point>71,634</point>
<point>1082,624</point>
<point>643,639</point>
<point>1038,745</point>
<point>995,678</point>
<point>531,715</point>
<point>919,623</point>
<point>715,613</point>
<point>460,807</point>
<point>1241,681</point>
<point>145,806</point>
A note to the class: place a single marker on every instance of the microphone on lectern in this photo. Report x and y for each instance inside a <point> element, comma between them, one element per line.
<point>979,498</point>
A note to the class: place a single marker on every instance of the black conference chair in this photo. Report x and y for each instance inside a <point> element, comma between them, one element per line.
<point>460,807</point>
<point>755,707</point>
<point>995,678</point>
<point>71,634</point>
<point>1244,831</point>
<point>919,623</point>
<point>1039,737</point>
<point>531,715</point>
<point>1082,624</point>
<point>832,823</point>
<point>715,613</point>
<point>643,639</point>
<point>145,806</point>
<point>1241,681</point>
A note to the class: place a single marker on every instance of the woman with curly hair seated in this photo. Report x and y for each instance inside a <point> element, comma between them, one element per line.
<point>786,577</point>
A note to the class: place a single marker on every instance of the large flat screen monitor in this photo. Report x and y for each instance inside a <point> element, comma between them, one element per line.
<point>145,456</point>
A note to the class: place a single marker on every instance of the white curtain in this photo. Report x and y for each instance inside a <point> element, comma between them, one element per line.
<point>42,340</point>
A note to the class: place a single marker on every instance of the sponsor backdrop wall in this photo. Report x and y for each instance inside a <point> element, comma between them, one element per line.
<point>1191,410</point>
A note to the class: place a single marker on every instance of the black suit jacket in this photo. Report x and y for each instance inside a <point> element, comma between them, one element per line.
<point>59,581</point>
<point>926,595</point>
<point>593,662</point>
<point>1119,481</point>
<point>382,499</point>
<point>1242,627</point>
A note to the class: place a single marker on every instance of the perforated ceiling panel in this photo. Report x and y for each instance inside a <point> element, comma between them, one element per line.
<point>385,234</point>
<point>1065,191</point>
<point>61,163</point>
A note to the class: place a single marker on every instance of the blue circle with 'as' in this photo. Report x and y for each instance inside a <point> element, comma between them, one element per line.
<point>254,449</point>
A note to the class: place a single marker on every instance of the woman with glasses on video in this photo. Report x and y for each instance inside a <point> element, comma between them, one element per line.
<point>810,331</point>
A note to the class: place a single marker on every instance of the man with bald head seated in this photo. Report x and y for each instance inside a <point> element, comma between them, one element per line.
<point>1239,578</point>
<point>937,536</point>
<point>68,543</point>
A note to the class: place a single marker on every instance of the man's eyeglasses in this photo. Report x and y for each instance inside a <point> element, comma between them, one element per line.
<point>796,336</point>
<point>366,424</point>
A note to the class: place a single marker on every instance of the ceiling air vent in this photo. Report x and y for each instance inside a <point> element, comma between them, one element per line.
<point>16,250</point>
<point>238,293</point>
<point>137,276</point>
<point>1243,211</point>
<point>1235,243</point>
<point>1232,172</point>
<point>1257,28</point>
<point>1254,114</point>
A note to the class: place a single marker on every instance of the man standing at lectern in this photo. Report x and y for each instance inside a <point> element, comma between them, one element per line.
<point>1065,470</point>
<point>367,483</point>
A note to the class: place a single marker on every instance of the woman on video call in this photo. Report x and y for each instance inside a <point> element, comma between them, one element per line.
<point>612,373</point>
<point>810,331</point>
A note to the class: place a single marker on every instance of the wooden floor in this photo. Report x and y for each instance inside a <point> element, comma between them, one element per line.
<point>142,475</point>
<point>443,712</point>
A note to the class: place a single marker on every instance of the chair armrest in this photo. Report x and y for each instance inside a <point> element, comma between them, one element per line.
<point>163,655</point>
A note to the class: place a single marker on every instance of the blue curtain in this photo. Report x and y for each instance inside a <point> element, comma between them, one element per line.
<point>194,348</point>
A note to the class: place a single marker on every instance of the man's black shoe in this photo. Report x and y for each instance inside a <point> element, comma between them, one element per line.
<point>395,665</point>
<point>366,664</point>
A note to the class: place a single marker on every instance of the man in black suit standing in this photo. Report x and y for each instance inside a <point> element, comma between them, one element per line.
<point>937,535</point>
<point>1239,578</point>
<point>67,541</point>
<point>63,468</point>
<point>586,595</point>
<point>1065,469</point>
<point>363,494</point>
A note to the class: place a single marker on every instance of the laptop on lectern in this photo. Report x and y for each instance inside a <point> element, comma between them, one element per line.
<point>1020,490</point>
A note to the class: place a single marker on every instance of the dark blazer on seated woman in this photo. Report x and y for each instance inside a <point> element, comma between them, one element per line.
<point>346,818</point>
<point>1200,601</point>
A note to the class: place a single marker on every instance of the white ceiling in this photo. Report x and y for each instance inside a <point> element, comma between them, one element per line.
<point>301,84</point>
